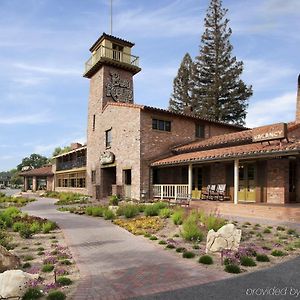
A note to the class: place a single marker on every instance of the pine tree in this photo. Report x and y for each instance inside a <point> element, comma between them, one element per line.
<point>181,97</point>
<point>219,92</point>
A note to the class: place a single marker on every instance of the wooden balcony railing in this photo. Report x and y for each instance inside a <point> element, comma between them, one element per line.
<point>116,55</point>
<point>68,165</point>
<point>169,191</point>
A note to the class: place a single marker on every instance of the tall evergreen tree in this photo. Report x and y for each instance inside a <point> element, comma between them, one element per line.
<point>181,97</point>
<point>219,92</point>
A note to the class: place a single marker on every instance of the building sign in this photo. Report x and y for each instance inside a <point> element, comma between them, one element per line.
<point>270,132</point>
<point>107,158</point>
<point>120,90</point>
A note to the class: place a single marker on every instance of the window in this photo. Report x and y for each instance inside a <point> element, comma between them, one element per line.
<point>161,125</point>
<point>117,52</point>
<point>108,138</point>
<point>93,176</point>
<point>94,122</point>
<point>200,131</point>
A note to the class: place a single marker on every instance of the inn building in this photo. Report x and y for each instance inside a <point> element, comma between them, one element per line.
<point>143,152</point>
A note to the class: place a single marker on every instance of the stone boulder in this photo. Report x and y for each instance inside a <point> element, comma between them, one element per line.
<point>227,237</point>
<point>8,260</point>
<point>14,283</point>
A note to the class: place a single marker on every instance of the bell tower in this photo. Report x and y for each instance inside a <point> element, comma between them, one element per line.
<point>110,69</point>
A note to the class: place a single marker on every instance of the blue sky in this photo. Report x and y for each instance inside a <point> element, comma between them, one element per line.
<point>44,44</point>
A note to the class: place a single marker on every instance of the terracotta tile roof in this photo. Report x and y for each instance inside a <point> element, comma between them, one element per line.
<point>249,150</point>
<point>240,137</point>
<point>165,111</point>
<point>43,171</point>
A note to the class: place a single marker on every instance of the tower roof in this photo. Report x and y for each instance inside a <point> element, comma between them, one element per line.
<point>111,38</point>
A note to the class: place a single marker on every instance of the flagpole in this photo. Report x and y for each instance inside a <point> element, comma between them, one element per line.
<point>111,17</point>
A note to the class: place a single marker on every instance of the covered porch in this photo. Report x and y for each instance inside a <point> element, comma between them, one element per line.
<point>274,179</point>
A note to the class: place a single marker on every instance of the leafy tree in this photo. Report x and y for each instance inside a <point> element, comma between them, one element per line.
<point>220,93</point>
<point>181,97</point>
<point>59,150</point>
<point>34,161</point>
<point>15,178</point>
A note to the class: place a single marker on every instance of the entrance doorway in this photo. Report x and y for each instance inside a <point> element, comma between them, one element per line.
<point>127,183</point>
<point>108,176</point>
<point>247,183</point>
<point>197,183</point>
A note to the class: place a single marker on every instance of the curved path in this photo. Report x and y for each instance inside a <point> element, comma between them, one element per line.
<point>114,264</point>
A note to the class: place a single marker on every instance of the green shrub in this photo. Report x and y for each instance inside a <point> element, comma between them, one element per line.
<point>66,262</point>
<point>26,265</point>
<point>231,268</point>
<point>291,232</point>
<point>278,253</point>
<point>25,232</point>
<point>280,228</point>
<point>114,200</point>
<point>165,213</point>
<point>147,235</point>
<point>97,211</point>
<point>212,221</point>
<point>153,238</point>
<point>178,216</point>
<point>297,244</point>
<point>180,249</point>
<point>64,281</point>
<point>130,210</point>
<point>170,246</point>
<point>28,257</point>
<point>262,258</point>
<point>48,226</point>
<point>56,295</point>
<point>191,230</point>
<point>196,247</point>
<point>89,210</point>
<point>35,227</point>
<point>247,261</point>
<point>108,214</point>
<point>206,260</point>
<point>142,207</point>
<point>162,242</point>
<point>151,210</point>
<point>32,293</point>
<point>188,254</point>
<point>41,253</point>
<point>17,226</point>
<point>267,230</point>
<point>40,249</point>
<point>5,239</point>
<point>47,268</point>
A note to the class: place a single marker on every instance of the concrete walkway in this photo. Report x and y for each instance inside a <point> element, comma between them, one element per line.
<point>114,264</point>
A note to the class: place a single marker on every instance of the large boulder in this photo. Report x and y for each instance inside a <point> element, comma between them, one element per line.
<point>14,283</point>
<point>8,260</point>
<point>227,237</point>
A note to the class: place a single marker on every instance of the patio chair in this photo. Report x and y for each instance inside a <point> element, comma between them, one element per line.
<point>205,194</point>
<point>220,192</point>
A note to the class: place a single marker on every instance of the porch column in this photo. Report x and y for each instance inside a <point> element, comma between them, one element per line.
<point>25,184</point>
<point>236,181</point>
<point>34,183</point>
<point>190,179</point>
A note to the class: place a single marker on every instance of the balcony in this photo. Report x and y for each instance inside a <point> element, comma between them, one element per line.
<point>113,57</point>
<point>79,162</point>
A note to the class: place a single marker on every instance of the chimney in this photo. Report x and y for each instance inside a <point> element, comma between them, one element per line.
<point>298,102</point>
<point>75,146</point>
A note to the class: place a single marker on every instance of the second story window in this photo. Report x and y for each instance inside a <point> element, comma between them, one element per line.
<point>161,125</point>
<point>117,52</point>
<point>200,131</point>
<point>108,138</point>
<point>94,122</point>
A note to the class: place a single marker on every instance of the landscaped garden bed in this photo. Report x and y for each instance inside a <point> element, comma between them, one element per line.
<point>7,201</point>
<point>67,198</point>
<point>41,248</point>
<point>184,232</point>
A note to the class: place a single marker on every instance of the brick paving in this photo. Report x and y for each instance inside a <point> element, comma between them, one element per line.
<point>114,264</point>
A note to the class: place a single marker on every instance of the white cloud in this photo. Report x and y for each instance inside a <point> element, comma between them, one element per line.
<point>29,119</point>
<point>268,111</point>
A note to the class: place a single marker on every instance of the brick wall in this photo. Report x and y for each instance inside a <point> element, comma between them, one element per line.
<point>218,173</point>
<point>278,181</point>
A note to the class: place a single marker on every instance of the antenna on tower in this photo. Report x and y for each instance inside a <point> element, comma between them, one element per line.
<point>111,17</point>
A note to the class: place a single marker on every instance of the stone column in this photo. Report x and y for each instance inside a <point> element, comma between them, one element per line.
<point>25,184</point>
<point>236,181</point>
<point>34,183</point>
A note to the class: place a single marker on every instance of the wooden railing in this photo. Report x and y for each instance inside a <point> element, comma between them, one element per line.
<point>169,191</point>
<point>105,52</point>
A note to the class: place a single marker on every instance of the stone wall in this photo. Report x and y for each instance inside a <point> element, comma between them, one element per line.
<point>278,181</point>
